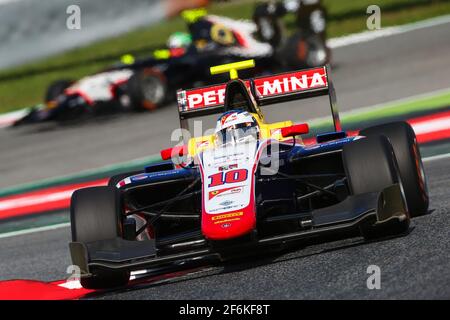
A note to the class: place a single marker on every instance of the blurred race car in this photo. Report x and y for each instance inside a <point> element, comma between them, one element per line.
<point>250,186</point>
<point>149,83</point>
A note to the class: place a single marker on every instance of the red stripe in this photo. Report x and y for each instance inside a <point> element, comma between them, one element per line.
<point>37,290</point>
<point>430,117</point>
<point>433,136</point>
<point>28,203</point>
<point>439,134</point>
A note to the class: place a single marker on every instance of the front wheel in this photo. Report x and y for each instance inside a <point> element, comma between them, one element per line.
<point>403,140</point>
<point>95,214</point>
<point>370,166</point>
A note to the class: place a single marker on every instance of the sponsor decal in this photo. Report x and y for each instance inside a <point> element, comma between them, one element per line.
<point>203,144</point>
<point>226,203</point>
<point>226,225</point>
<point>139,177</point>
<point>228,117</point>
<point>281,84</point>
<point>227,220</point>
<point>292,82</point>
<point>220,192</point>
<point>228,167</point>
<point>227,216</point>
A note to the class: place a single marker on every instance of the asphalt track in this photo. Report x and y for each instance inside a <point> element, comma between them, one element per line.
<point>365,74</point>
<point>414,266</point>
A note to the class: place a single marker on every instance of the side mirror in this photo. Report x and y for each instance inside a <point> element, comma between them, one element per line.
<point>167,154</point>
<point>295,130</point>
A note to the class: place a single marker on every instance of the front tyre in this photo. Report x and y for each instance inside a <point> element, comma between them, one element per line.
<point>370,166</point>
<point>95,214</point>
<point>403,140</point>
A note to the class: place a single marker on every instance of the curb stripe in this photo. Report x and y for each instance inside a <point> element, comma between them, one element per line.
<point>55,198</point>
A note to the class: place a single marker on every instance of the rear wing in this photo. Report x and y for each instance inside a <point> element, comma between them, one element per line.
<point>266,90</point>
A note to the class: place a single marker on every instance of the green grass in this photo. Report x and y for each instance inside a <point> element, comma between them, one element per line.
<point>344,17</point>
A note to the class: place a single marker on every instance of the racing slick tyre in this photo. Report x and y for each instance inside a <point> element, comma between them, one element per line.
<point>95,215</point>
<point>268,26</point>
<point>303,49</point>
<point>147,89</point>
<point>56,89</point>
<point>370,166</point>
<point>403,140</point>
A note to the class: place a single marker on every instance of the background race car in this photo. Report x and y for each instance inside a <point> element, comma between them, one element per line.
<point>148,83</point>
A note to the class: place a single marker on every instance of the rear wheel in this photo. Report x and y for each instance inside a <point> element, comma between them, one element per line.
<point>55,89</point>
<point>268,26</point>
<point>305,50</point>
<point>147,89</point>
<point>95,214</point>
<point>404,142</point>
<point>370,166</point>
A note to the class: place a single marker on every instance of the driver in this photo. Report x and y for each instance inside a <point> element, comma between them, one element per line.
<point>179,40</point>
<point>236,126</point>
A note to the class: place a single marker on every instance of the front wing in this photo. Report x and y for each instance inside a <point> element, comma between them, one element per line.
<point>119,254</point>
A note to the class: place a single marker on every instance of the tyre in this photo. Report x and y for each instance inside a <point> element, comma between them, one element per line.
<point>147,89</point>
<point>268,26</point>
<point>305,50</point>
<point>114,180</point>
<point>403,140</point>
<point>55,89</point>
<point>95,214</point>
<point>370,166</point>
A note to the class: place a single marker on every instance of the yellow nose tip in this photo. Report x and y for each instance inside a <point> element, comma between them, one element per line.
<point>233,68</point>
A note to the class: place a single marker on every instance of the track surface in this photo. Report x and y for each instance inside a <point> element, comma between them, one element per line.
<point>413,266</point>
<point>364,74</point>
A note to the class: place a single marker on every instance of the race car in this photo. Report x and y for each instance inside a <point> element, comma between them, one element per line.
<point>249,186</point>
<point>146,84</point>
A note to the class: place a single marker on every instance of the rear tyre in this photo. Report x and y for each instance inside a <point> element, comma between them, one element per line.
<point>404,142</point>
<point>147,90</point>
<point>95,214</point>
<point>370,166</point>
<point>56,88</point>
<point>305,50</point>
<point>268,26</point>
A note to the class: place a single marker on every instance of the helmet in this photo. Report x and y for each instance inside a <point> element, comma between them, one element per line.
<point>179,40</point>
<point>236,126</point>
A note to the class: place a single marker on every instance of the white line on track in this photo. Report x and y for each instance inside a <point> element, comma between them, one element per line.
<point>34,230</point>
<point>437,157</point>
<point>67,224</point>
<point>386,32</point>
